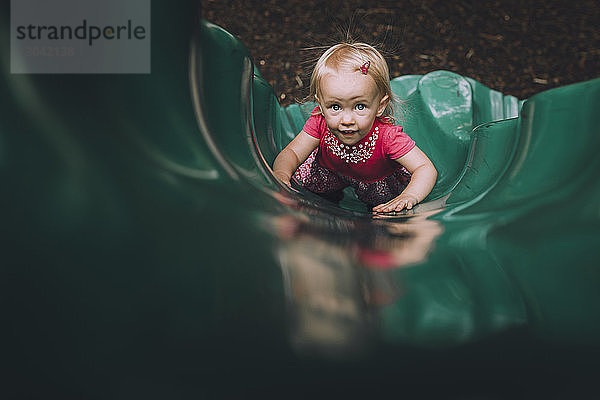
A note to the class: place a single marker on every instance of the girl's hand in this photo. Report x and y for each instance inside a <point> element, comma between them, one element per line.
<point>422,180</point>
<point>283,178</point>
<point>294,154</point>
<point>404,200</point>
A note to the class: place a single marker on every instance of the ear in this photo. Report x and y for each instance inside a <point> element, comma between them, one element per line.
<point>383,103</point>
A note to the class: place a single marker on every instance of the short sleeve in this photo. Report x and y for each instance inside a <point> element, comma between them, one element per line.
<point>315,126</point>
<point>396,143</point>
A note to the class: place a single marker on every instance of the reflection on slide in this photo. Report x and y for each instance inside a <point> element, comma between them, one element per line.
<point>337,274</point>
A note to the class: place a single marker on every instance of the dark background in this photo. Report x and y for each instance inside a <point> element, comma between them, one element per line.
<point>516,47</point>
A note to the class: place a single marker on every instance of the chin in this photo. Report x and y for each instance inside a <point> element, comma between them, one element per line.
<point>355,138</point>
<point>349,141</point>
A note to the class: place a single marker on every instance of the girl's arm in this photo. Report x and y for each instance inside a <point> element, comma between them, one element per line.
<point>293,155</point>
<point>422,181</point>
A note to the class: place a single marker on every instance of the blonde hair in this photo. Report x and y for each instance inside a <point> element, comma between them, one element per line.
<point>351,56</point>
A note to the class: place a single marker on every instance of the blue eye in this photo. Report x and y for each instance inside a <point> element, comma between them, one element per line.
<point>360,107</point>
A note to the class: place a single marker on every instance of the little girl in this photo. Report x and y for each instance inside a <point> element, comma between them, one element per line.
<point>350,139</point>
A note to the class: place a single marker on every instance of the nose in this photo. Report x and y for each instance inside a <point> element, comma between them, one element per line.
<point>347,118</point>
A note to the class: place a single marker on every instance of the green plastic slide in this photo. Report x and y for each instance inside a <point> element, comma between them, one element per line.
<point>148,252</point>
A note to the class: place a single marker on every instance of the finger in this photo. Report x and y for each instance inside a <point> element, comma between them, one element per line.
<point>391,206</point>
<point>381,207</point>
<point>389,209</point>
<point>381,210</point>
<point>400,205</point>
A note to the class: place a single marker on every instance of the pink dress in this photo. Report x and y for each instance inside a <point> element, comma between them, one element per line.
<point>368,166</point>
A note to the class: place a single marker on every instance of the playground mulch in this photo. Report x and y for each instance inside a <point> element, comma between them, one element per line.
<point>517,47</point>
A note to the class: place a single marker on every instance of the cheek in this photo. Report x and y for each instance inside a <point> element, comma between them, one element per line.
<point>328,121</point>
<point>330,117</point>
<point>365,115</point>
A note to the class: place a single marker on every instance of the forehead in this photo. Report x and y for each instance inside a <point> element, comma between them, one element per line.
<point>347,85</point>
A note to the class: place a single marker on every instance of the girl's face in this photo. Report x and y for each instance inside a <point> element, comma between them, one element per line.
<point>350,103</point>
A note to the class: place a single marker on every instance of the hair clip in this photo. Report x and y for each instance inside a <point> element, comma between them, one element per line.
<point>364,69</point>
